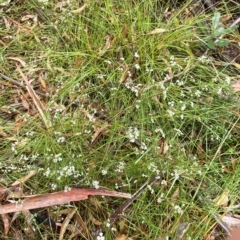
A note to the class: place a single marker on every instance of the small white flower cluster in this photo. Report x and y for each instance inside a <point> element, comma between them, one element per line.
<point>95,184</point>
<point>170,113</point>
<point>173,63</point>
<point>14,149</point>
<point>138,104</point>
<point>132,134</point>
<point>136,55</point>
<point>57,157</point>
<point>66,172</point>
<point>204,59</point>
<point>67,188</point>
<point>104,172</point>
<point>120,167</point>
<point>153,168</point>
<point>198,93</point>
<point>100,236</point>
<point>30,133</point>
<point>150,189</point>
<point>178,209</point>
<point>61,138</point>
<point>57,112</point>
<point>176,174</point>
<point>135,88</point>
<point>43,1</point>
<point>157,130</point>
<point>53,186</point>
<point>161,198</point>
<point>178,131</point>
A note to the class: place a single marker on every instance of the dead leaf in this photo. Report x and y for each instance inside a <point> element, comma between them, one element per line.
<point>58,198</point>
<point>98,132</point>
<point>35,98</point>
<point>121,237</point>
<point>158,31</point>
<point>237,65</point>
<point>42,81</point>
<point>24,179</point>
<point>78,61</point>
<point>66,223</point>
<point>6,223</point>
<point>25,103</point>
<point>94,220</point>
<point>109,42</point>
<point>27,17</point>
<point>223,199</point>
<point>2,133</point>
<point>61,4</point>
<point>79,9</point>
<point>7,23</point>
<point>225,18</point>
<point>19,121</point>
<point>23,63</point>
<point>175,195</point>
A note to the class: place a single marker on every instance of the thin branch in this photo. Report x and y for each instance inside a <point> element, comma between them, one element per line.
<point>114,217</point>
<point>15,82</point>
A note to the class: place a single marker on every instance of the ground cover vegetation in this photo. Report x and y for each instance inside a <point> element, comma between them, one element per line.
<point>128,91</point>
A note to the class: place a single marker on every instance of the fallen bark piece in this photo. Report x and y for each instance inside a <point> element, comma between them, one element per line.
<point>58,198</point>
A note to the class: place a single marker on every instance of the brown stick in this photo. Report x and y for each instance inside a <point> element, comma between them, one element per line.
<point>15,82</point>
<point>114,217</point>
<point>58,198</point>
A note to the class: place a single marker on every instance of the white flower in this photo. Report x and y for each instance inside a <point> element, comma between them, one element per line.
<point>164,182</point>
<point>180,83</point>
<point>171,104</point>
<point>120,167</point>
<point>104,172</point>
<point>66,189</point>
<point>228,80</point>
<point>170,113</point>
<point>204,59</point>
<point>108,62</point>
<point>161,198</point>
<point>137,66</point>
<point>61,139</point>
<point>198,93</point>
<point>43,1</point>
<point>150,189</point>
<point>178,209</point>
<point>53,186</point>
<point>161,131</point>
<point>143,146</point>
<point>95,184</point>
<point>100,236</point>
<point>219,92</point>
<point>132,134</point>
<point>179,132</point>
<point>136,55</point>
<point>183,107</point>
<point>47,173</point>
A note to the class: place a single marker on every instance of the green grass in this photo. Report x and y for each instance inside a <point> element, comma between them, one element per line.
<point>103,69</point>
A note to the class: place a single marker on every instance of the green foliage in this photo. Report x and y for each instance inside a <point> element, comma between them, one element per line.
<point>124,105</point>
<point>215,39</point>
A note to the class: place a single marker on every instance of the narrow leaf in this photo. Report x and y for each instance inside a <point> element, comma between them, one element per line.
<point>216,19</point>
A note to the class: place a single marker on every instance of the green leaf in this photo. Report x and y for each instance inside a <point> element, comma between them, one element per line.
<point>222,42</point>
<point>219,31</point>
<point>216,20</point>
<point>211,44</point>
